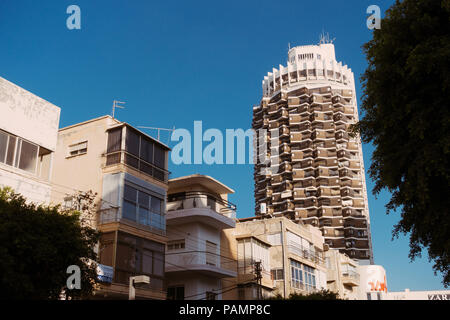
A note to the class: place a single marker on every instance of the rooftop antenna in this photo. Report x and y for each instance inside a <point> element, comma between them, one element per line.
<point>289,46</point>
<point>325,38</point>
<point>116,105</point>
<point>159,130</point>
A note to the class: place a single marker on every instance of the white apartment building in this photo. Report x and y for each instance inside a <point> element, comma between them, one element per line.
<point>28,135</point>
<point>197,212</point>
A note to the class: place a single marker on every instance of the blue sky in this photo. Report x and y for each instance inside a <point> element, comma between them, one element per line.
<point>177,62</point>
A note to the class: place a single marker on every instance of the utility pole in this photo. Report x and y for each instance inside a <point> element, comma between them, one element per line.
<point>258,278</point>
<point>283,253</point>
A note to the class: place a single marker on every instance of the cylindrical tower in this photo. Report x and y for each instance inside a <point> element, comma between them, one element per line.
<point>308,168</point>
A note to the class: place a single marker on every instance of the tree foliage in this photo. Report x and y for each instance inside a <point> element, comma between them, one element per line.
<point>37,245</point>
<point>406,117</point>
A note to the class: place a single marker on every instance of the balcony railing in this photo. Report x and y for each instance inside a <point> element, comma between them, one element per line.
<point>135,162</point>
<point>351,274</point>
<point>308,254</point>
<point>201,199</point>
<point>108,215</point>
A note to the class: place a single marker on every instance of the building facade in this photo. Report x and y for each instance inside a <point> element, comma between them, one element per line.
<point>342,275</point>
<point>28,133</point>
<point>128,171</point>
<point>308,168</point>
<point>290,256</point>
<point>197,211</point>
<point>418,295</point>
<point>373,284</point>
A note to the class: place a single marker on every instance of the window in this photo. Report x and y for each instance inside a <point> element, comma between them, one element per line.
<point>303,276</point>
<point>211,253</point>
<point>132,142</point>
<point>175,293</point>
<point>296,274</point>
<point>143,208</point>
<point>129,203</point>
<point>114,140</point>
<point>3,146</point>
<point>176,245</point>
<point>19,153</point>
<point>249,251</point>
<point>77,149</point>
<point>277,274</point>
<point>141,153</point>
<point>11,150</point>
<point>147,150</point>
<point>136,255</point>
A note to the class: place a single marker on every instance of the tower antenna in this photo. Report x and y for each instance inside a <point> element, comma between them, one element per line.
<point>116,105</point>
<point>325,38</point>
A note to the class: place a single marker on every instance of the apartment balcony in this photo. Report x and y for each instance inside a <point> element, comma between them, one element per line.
<point>202,207</point>
<point>323,126</point>
<point>326,173</point>
<point>299,137</point>
<point>325,144</point>
<point>358,224</point>
<point>299,174</point>
<point>284,131</point>
<point>351,183</point>
<point>109,218</point>
<point>127,159</point>
<point>344,110</point>
<point>330,222</point>
<point>294,119</point>
<point>330,202</point>
<point>322,135</point>
<point>305,253</point>
<point>321,108</point>
<point>350,278</point>
<point>194,262</point>
<point>327,192</point>
<point>320,117</point>
<point>352,213</point>
<point>304,127</point>
<point>342,136</point>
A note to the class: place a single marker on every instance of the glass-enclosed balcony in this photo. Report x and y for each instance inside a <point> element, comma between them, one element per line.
<point>138,151</point>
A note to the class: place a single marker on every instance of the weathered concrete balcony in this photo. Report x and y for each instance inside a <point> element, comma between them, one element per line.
<point>199,206</point>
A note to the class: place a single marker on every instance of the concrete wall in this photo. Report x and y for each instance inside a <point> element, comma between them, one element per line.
<point>28,116</point>
<point>372,280</point>
<point>81,172</point>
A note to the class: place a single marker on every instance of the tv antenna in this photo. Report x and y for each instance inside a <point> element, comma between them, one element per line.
<point>158,129</point>
<point>116,104</point>
<point>325,38</point>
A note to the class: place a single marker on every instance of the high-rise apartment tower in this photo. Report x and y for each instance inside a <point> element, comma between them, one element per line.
<point>308,167</point>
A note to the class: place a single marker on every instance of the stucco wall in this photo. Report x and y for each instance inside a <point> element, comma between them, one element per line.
<point>28,116</point>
